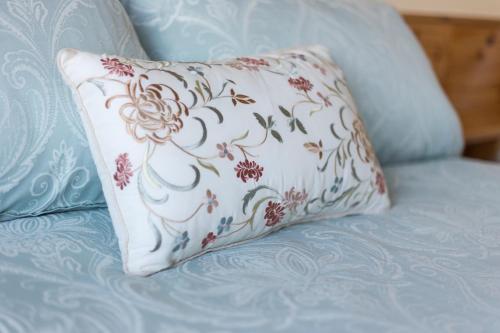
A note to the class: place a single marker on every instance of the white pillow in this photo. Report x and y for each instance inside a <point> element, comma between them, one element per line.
<point>194,157</point>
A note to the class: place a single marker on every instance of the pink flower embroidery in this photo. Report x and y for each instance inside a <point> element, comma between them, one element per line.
<point>212,201</point>
<point>248,170</point>
<point>123,171</point>
<point>210,238</point>
<point>254,62</point>
<point>301,84</point>
<point>224,151</point>
<point>320,68</point>
<point>274,213</point>
<point>293,199</point>
<point>115,66</point>
<point>325,99</point>
<point>380,182</point>
<point>248,63</point>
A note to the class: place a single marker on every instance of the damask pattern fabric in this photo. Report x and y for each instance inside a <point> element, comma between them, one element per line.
<point>195,157</point>
<point>432,264</point>
<point>407,115</point>
<point>45,164</point>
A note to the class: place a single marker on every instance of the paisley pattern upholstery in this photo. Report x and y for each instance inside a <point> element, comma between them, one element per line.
<point>390,78</point>
<point>45,164</point>
<point>432,264</point>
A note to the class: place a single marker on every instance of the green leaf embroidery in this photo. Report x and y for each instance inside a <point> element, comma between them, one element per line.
<point>353,170</point>
<point>195,98</point>
<point>244,136</point>
<point>334,133</point>
<point>270,121</point>
<point>198,90</point>
<point>261,120</point>
<point>249,196</point>
<point>177,76</point>
<point>300,126</point>
<point>208,166</point>
<point>217,112</point>
<point>285,112</point>
<point>277,136</point>
<point>342,117</point>
<point>207,89</point>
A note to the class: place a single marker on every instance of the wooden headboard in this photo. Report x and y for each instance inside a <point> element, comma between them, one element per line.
<point>466,57</point>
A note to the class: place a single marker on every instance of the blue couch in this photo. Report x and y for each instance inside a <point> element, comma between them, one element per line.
<point>431,264</point>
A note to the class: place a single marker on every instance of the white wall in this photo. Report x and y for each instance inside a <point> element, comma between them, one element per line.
<point>460,8</point>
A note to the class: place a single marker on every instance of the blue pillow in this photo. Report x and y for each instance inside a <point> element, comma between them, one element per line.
<point>45,163</point>
<point>407,115</point>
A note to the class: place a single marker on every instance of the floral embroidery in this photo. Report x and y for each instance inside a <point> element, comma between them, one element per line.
<point>301,84</point>
<point>316,148</point>
<point>115,66</point>
<point>364,147</point>
<point>298,56</point>
<point>210,238</point>
<point>337,184</point>
<point>181,242</point>
<point>239,98</point>
<point>380,183</point>
<point>293,199</point>
<point>224,225</point>
<point>212,201</point>
<point>248,170</point>
<point>320,68</point>
<point>123,171</point>
<point>325,99</point>
<point>196,70</point>
<point>224,151</point>
<point>251,64</point>
<point>149,115</point>
<point>274,213</point>
<point>154,113</point>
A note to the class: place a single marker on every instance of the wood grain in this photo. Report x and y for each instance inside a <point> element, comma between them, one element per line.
<point>465,54</point>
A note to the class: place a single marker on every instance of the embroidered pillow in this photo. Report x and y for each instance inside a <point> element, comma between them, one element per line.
<point>194,157</point>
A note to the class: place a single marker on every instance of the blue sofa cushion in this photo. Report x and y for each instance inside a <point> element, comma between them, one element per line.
<point>432,264</point>
<point>408,117</point>
<point>45,164</point>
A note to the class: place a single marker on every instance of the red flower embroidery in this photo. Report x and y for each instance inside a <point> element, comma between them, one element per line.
<point>210,238</point>
<point>294,199</point>
<point>115,66</point>
<point>224,151</point>
<point>212,201</point>
<point>123,171</point>
<point>274,213</point>
<point>380,182</point>
<point>301,84</point>
<point>325,99</point>
<point>248,170</point>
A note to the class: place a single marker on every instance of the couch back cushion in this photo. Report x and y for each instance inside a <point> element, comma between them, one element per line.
<point>45,164</point>
<point>407,115</point>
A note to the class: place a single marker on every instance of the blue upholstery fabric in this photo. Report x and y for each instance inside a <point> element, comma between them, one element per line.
<point>432,264</point>
<point>45,164</point>
<point>406,113</point>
